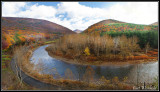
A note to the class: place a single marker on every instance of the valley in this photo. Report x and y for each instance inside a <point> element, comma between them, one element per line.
<point>58,56</point>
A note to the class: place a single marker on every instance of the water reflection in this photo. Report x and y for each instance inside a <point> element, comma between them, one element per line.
<point>58,68</point>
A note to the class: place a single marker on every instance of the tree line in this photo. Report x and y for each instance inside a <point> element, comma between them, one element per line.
<point>144,37</point>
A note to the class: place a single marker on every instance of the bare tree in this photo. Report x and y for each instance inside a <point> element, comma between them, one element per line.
<point>116,43</point>
<point>124,46</point>
<point>18,58</point>
<point>134,46</point>
<point>147,47</point>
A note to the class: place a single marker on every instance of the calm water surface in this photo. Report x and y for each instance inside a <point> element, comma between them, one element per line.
<point>144,72</point>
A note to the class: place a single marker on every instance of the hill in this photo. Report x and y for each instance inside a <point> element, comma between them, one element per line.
<point>114,25</point>
<point>78,31</point>
<point>156,23</point>
<point>34,25</point>
<point>19,30</point>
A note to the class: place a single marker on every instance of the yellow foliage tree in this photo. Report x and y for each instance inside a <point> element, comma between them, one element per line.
<point>22,39</point>
<point>87,52</point>
<point>9,40</point>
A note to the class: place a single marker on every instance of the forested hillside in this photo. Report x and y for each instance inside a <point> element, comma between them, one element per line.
<point>19,30</point>
<point>145,33</point>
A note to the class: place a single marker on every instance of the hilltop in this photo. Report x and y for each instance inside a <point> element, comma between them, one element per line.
<point>108,21</point>
<point>104,22</point>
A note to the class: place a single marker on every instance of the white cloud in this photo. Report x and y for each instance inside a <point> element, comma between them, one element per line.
<point>39,11</point>
<point>78,13</point>
<point>75,10</point>
<point>135,12</point>
<point>15,9</point>
<point>10,8</point>
<point>76,16</point>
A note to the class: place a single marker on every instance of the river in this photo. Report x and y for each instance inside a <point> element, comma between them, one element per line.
<point>48,65</point>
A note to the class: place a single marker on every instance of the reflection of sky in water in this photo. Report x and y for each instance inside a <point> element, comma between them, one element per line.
<point>40,55</point>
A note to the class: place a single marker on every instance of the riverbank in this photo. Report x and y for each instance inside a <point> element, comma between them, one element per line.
<point>10,80</point>
<point>29,74</point>
<point>106,50</point>
<point>100,63</point>
<point>64,84</point>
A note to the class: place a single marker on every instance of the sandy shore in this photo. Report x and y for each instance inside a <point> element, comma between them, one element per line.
<point>101,63</point>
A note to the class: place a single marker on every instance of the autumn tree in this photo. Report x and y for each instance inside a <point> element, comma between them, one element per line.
<point>4,44</point>
<point>124,46</point>
<point>87,51</point>
<point>134,44</point>
<point>16,38</point>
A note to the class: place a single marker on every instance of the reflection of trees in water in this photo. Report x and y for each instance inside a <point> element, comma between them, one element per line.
<point>55,73</point>
<point>89,74</point>
<point>111,72</point>
<point>142,73</point>
<point>40,66</point>
<point>94,73</point>
<point>80,70</point>
<point>146,73</point>
<point>85,72</point>
<point>98,70</point>
<point>69,74</point>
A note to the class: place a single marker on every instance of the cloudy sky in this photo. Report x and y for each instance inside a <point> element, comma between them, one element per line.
<point>80,15</point>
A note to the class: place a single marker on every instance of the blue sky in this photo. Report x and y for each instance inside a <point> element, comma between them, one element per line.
<point>89,4</point>
<point>80,15</point>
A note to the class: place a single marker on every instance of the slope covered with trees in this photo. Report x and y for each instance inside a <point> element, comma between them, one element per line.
<point>113,25</point>
<point>36,25</point>
<point>20,30</point>
<point>145,33</point>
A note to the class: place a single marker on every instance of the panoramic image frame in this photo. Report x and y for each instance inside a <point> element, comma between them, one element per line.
<point>89,45</point>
